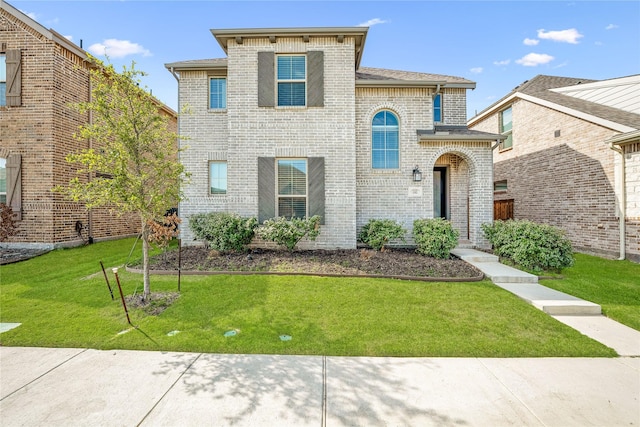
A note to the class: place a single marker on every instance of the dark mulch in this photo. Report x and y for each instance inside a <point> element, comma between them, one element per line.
<point>392,262</point>
<point>9,256</point>
<point>154,304</point>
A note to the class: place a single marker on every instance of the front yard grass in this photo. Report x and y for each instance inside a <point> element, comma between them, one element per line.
<point>615,285</point>
<point>62,300</point>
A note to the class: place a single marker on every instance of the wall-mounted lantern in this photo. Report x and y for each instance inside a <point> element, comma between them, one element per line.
<point>417,175</point>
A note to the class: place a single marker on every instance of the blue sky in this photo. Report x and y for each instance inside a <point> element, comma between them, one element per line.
<point>497,44</point>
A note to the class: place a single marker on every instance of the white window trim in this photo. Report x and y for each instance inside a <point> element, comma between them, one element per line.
<point>305,80</point>
<point>505,133</point>
<point>289,196</point>
<point>226,190</point>
<point>209,107</point>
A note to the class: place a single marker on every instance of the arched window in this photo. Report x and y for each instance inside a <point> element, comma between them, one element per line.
<point>385,146</point>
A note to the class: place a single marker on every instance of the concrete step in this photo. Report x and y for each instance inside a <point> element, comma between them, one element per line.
<point>551,301</point>
<point>500,273</point>
<point>472,255</point>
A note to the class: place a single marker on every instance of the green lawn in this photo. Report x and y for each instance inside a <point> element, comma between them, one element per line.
<point>62,300</point>
<point>615,285</point>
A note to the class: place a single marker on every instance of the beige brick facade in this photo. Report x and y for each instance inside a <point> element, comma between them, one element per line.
<point>339,132</point>
<point>54,74</point>
<point>561,171</point>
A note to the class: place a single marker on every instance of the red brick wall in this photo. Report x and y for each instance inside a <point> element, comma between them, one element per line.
<point>566,180</point>
<point>41,130</point>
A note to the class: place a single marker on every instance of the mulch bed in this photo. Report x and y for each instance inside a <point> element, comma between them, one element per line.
<point>344,262</point>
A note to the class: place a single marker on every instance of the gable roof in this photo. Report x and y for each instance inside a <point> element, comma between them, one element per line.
<point>551,91</point>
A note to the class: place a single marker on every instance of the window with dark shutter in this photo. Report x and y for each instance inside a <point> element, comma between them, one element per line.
<point>290,194</point>
<point>316,187</point>
<point>266,75</point>
<point>14,78</point>
<point>266,188</point>
<point>315,79</point>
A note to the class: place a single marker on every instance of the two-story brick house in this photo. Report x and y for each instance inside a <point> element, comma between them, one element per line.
<point>289,124</point>
<point>571,158</point>
<point>41,74</point>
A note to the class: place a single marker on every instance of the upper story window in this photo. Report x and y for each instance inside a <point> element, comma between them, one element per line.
<point>437,108</point>
<point>3,180</point>
<point>292,80</point>
<point>506,128</point>
<point>3,80</point>
<point>217,177</point>
<point>217,92</point>
<point>385,145</point>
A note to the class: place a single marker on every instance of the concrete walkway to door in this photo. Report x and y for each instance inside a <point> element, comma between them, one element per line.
<point>584,316</point>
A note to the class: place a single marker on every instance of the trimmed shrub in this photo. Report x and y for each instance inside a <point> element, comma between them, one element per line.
<point>378,232</point>
<point>434,237</point>
<point>288,232</point>
<point>533,246</point>
<point>222,231</point>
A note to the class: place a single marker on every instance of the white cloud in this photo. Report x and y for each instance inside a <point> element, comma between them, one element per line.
<point>503,62</point>
<point>70,38</point>
<point>30,14</point>
<point>476,70</point>
<point>114,48</point>
<point>599,43</point>
<point>534,59</point>
<point>372,22</point>
<point>565,36</point>
<point>611,27</point>
<point>531,42</point>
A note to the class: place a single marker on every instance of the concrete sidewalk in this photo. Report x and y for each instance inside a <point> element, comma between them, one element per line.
<point>584,316</point>
<point>76,387</point>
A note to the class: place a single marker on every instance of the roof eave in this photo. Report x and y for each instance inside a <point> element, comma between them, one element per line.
<point>360,33</point>
<point>413,83</point>
<point>624,138</point>
<point>179,66</point>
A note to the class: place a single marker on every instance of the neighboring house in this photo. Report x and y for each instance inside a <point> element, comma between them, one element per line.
<point>288,124</point>
<point>41,73</point>
<point>571,158</point>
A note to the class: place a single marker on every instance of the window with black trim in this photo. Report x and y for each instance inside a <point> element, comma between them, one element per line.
<point>500,185</point>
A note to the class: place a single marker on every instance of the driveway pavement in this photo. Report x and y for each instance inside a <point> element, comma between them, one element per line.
<point>79,387</point>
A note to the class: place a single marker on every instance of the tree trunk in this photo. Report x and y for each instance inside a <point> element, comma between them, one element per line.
<point>145,260</point>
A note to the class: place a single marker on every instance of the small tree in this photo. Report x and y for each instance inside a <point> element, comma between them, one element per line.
<point>136,154</point>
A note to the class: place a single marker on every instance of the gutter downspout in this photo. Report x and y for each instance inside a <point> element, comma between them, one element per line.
<point>622,202</point>
<point>175,76</point>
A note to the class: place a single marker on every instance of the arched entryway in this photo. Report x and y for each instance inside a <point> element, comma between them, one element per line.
<point>451,191</point>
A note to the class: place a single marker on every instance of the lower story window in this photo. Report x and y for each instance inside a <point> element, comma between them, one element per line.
<point>292,188</point>
<point>217,177</point>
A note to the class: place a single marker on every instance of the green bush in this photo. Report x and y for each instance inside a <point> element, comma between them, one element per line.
<point>533,246</point>
<point>378,232</point>
<point>288,232</point>
<point>222,231</point>
<point>434,237</point>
